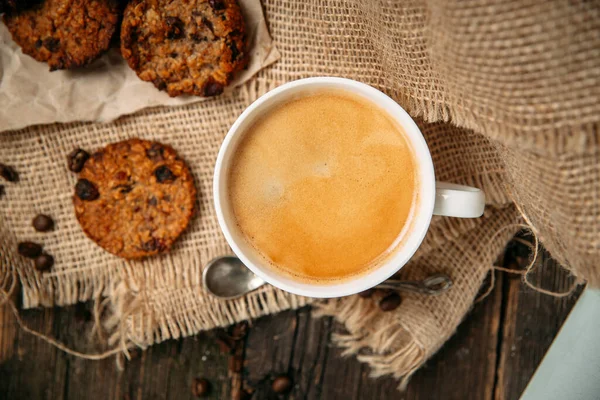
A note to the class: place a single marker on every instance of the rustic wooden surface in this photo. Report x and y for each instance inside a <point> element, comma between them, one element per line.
<point>492,355</point>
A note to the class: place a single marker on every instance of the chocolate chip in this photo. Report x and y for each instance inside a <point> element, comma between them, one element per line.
<point>155,152</point>
<point>390,302</point>
<point>282,384</point>
<point>152,201</point>
<point>235,53</point>
<point>173,54</point>
<point>164,175</point>
<point>38,43</point>
<point>217,4</point>
<point>44,262</point>
<point>29,249</point>
<point>160,84</point>
<point>1,191</point>
<point>200,387</point>
<point>43,223</point>
<point>175,27</point>
<point>367,293</point>
<point>212,88</point>
<point>52,44</point>
<point>9,173</point>
<point>153,245</point>
<point>86,190</point>
<point>76,159</point>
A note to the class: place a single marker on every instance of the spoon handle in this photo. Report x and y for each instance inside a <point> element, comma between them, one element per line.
<point>432,285</point>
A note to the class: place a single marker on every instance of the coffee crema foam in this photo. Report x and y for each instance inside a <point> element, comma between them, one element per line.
<point>323,185</point>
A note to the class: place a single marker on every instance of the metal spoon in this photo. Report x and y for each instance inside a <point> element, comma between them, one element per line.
<point>227,278</point>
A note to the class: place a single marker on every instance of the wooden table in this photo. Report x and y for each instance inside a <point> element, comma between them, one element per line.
<point>493,354</point>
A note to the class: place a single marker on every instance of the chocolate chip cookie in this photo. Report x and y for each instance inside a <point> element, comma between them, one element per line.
<point>184,46</point>
<point>134,198</point>
<point>64,33</point>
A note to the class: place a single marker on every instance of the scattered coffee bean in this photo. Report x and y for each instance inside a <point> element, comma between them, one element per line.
<point>1,190</point>
<point>9,173</point>
<point>43,223</point>
<point>76,159</point>
<point>390,302</point>
<point>29,249</point>
<point>44,262</point>
<point>367,293</point>
<point>200,387</point>
<point>86,190</point>
<point>236,363</point>
<point>282,384</point>
<point>239,331</point>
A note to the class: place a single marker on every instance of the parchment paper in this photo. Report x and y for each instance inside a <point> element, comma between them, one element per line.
<point>30,94</point>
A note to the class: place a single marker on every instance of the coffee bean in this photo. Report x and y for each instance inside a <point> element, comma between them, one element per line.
<point>164,175</point>
<point>367,293</point>
<point>86,190</point>
<point>76,159</point>
<point>155,152</point>
<point>200,387</point>
<point>43,223</point>
<point>9,173</point>
<point>216,4</point>
<point>212,88</point>
<point>29,249</point>
<point>44,262</point>
<point>282,384</point>
<point>390,302</point>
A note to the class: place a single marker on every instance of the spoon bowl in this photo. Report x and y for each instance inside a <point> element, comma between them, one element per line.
<point>227,278</point>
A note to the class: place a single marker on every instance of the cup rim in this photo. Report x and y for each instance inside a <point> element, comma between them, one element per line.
<point>420,222</point>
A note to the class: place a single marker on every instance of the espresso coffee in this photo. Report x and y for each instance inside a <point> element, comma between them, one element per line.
<point>323,186</point>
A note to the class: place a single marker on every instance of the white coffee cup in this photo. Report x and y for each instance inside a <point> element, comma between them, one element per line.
<point>435,198</point>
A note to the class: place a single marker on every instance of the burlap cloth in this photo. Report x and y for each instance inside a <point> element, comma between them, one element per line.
<point>507,95</point>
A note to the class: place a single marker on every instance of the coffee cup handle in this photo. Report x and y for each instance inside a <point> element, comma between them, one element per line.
<point>460,201</point>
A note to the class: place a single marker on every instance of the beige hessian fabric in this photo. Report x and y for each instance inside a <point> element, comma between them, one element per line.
<point>507,94</point>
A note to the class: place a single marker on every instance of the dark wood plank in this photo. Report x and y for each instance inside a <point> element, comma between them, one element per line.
<point>532,321</point>
<point>463,369</point>
<point>35,370</point>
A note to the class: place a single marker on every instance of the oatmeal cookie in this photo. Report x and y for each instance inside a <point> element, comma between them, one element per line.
<point>64,33</point>
<point>184,46</point>
<point>134,198</point>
